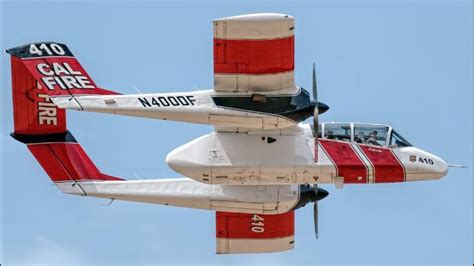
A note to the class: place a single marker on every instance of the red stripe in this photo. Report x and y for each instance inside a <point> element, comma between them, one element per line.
<point>253,56</point>
<point>348,163</point>
<point>387,168</point>
<point>239,225</point>
<point>67,162</point>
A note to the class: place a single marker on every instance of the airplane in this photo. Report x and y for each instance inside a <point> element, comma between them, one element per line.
<point>257,167</point>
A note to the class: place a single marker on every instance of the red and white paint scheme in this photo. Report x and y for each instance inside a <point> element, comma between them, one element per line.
<point>254,53</point>
<point>258,166</point>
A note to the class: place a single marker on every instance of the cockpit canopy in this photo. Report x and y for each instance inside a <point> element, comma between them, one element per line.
<point>370,134</point>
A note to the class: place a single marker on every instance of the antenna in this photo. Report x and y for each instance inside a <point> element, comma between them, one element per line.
<point>456,165</point>
<point>108,204</point>
<point>136,89</point>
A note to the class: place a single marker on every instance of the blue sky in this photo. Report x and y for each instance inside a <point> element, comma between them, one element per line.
<point>404,63</point>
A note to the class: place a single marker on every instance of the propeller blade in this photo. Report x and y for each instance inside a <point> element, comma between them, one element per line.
<point>315,114</point>
<point>315,85</point>
<point>315,210</point>
<point>316,134</point>
<point>315,213</point>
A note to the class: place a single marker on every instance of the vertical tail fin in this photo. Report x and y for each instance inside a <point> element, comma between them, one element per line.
<point>39,72</point>
<point>56,69</point>
<point>33,111</point>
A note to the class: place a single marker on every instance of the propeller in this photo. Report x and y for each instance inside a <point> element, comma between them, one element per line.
<point>312,194</point>
<point>319,194</point>
<point>315,114</point>
<point>315,212</point>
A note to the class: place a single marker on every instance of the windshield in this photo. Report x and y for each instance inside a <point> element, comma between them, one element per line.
<point>396,140</point>
<point>370,134</point>
<point>338,131</point>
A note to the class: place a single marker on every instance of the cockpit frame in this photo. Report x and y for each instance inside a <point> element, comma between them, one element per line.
<point>387,138</point>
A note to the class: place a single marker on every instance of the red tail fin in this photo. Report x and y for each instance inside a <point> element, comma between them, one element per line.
<point>40,71</point>
<point>56,69</point>
<point>33,111</point>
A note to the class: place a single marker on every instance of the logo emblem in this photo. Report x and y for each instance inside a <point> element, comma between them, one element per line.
<point>412,158</point>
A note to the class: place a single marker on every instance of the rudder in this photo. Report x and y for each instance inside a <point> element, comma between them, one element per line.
<point>33,111</point>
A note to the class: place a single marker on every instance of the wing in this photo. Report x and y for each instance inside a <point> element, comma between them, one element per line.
<point>254,233</point>
<point>254,53</point>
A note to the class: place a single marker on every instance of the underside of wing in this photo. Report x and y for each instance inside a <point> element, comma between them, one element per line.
<point>253,233</point>
<point>254,53</point>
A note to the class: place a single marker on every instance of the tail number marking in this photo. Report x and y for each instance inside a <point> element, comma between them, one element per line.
<point>426,160</point>
<point>256,224</point>
<point>166,101</point>
<point>49,49</point>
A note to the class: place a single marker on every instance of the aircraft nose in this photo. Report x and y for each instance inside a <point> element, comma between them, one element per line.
<point>442,167</point>
<point>421,165</point>
<point>433,166</point>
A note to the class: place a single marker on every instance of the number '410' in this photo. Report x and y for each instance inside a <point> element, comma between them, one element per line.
<point>49,49</point>
<point>425,160</point>
<point>257,225</point>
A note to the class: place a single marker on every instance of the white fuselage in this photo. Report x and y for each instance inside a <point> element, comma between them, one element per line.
<point>287,157</point>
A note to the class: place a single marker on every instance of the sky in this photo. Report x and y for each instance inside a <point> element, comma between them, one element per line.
<point>403,63</point>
